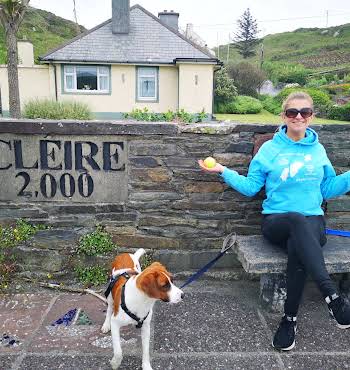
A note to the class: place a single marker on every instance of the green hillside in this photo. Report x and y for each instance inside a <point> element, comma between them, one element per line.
<point>316,48</point>
<point>45,30</point>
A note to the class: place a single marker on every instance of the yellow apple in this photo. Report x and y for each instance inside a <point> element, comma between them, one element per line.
<point>209,162</point>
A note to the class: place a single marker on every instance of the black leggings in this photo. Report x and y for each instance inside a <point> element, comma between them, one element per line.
<point>302,237</point>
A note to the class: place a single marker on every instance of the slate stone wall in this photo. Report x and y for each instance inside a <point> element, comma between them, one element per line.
<point>171,204</point>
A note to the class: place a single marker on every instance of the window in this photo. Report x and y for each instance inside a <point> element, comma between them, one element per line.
<point>147,83</point>
<point>86,79</point>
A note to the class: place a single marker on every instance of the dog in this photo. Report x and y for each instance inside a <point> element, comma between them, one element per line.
<point>131,296</point>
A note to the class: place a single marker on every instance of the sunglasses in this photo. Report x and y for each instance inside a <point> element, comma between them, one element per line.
<point>304,112</point>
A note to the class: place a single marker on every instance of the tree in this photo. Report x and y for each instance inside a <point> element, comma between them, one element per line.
<point>225,90</point>
<point>11,16</point>
<point>248,78</point>
<point>245,38</point>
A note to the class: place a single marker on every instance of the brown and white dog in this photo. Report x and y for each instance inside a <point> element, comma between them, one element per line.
<point>131,300</point>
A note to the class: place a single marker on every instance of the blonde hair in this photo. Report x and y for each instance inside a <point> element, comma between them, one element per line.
<point>299,95</point>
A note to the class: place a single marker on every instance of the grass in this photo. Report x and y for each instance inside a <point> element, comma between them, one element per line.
<point>268,118</point>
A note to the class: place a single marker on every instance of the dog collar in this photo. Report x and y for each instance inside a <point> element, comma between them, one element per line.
<point>113,280</point>
<point>130,314</point>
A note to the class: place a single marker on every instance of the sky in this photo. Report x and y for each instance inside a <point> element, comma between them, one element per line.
<point>215,21</point>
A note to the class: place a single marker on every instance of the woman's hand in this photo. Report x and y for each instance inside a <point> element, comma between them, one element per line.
<point>218,168</point>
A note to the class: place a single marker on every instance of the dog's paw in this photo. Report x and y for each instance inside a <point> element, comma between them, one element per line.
<point>147,366</point>
<point>115,362</point>
<point>106,327</point>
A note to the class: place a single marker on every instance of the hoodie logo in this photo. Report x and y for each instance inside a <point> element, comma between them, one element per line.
<point>293,169</point>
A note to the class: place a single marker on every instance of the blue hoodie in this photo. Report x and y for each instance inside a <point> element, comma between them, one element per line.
<point>297,175</point>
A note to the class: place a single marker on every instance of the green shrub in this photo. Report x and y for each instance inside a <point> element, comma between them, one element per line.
<point>142,115</point>
<point>169,116</point>
<point>10,236</point>
<point>50,109</point>
<point>183,116</point>
<point>316,82</point>
<point>346,78</point>
<point>93,275</point>
<point>339,112</point>
<point>334,89</point>
<point>95,243</point>
<point>245,105</point>
<point>272,105</point>
<point>201,116</point>
<point>221,107</point>
<point>286,72</point>
<point>322,101</point>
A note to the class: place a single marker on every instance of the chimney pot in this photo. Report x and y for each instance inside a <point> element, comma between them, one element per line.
<point>171,19</point>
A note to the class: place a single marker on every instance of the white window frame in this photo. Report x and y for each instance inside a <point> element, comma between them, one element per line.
<point>101,71</point>
<point>141,72</point>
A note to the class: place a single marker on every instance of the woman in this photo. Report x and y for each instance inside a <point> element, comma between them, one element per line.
<point>298,176</point>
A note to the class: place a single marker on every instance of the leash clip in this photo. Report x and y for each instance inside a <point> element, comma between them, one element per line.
<point>229,242</point>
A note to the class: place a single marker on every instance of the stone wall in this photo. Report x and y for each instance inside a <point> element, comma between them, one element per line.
<point>150,194</point>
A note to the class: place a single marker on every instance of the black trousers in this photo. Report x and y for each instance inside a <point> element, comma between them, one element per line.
<point>302,237</point>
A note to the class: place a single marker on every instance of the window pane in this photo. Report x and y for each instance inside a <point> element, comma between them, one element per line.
<point>69,82</point>
<point>147,87</point>
<point>68,69</point>
<point>147,72</point>
<point>86,78</point>
<point>103,70</point>
<point>103,83</point>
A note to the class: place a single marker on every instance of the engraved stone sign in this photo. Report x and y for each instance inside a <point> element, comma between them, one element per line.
<point>63,168</point>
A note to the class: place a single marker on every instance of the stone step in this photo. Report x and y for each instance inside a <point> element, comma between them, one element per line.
<point>259,256</point>
<point>52,252</point>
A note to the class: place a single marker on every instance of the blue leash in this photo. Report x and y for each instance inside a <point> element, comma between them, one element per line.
<point>338,232</point>
<point>228,243</point>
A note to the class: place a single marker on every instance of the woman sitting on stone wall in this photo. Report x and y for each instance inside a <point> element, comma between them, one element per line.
<point>298,176</point>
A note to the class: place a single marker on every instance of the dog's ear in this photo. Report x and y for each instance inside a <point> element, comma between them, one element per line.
<point>156,265</point>
<point>147,282</point>
<point>155,284</point>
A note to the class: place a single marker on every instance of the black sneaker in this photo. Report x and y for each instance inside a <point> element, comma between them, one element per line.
<point>339,309</point>
<point>284,339</point>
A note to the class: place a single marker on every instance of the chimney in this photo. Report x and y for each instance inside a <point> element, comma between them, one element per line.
<point>171,19</point>
<point>120,16</point>
<point>25,53</point>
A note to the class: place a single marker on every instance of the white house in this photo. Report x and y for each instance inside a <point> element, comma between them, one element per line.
<point>132,60</point>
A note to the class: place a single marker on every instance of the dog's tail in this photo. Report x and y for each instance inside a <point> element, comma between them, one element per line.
<point>140,252</point>
<point>136,256</point>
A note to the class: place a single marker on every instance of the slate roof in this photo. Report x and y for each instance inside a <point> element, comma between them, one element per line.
<point>149,41</point>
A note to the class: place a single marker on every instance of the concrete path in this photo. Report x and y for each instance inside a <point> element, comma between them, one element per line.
<point>218,326</point>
